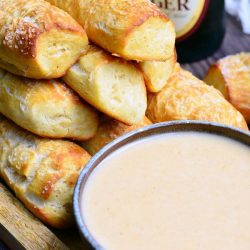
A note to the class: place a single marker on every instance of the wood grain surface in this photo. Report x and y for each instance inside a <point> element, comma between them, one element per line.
<point>20,229</point>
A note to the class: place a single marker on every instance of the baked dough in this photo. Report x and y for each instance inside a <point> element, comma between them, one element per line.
<point>41,172</point>
<point>47,108</point>
<point>132,29</point>
<point>114,86</point>
<point>231,75</point>
<point>187,98</point>
<point>108,131</point>
<point>157,73</point>
<point>38,40</point>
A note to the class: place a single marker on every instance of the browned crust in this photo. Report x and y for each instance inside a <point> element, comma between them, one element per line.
<point>186,97</point>
<point>110,24</point>
<point>61,161</point>
<point>233,73</point>
<point>108,131</point>
<point>20,37</point>
<point>143,13</point>
<point>18,91</point>
<point>62,223</point>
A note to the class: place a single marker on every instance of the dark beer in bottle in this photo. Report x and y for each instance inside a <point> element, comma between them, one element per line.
<point>199,26</point>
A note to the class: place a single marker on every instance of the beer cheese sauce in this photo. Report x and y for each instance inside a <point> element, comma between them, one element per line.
<point>177,191</point>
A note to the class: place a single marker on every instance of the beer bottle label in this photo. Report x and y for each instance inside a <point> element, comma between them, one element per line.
<point>187,15</point>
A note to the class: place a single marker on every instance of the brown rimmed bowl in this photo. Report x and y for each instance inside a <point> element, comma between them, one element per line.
<point>156,129</point>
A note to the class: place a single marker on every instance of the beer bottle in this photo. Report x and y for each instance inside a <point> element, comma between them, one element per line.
<point>199,26</point>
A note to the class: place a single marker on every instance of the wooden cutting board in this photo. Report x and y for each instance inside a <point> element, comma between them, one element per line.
<point>19,229</point>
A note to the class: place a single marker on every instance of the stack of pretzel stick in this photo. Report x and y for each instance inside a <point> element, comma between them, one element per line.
<point>75,75</point>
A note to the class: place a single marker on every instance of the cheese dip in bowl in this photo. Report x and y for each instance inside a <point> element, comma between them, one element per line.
<point>177,185</point>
